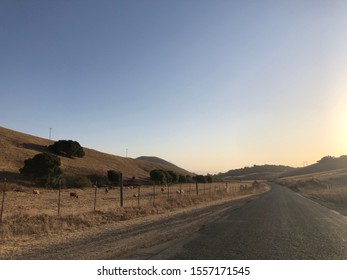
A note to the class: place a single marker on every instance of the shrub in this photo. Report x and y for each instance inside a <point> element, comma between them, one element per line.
<point>158,176</point>
<point>182,179</point>
<point>98,179</point>
<point>200,179</point>
<point>67,148</point>
<point>114,177</point>
<point>44,168</point>
<point>78,182</point>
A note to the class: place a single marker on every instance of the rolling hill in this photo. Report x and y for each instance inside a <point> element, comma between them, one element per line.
<point>15,147</point>
<point>157,160</point>
<point>325,164</point>
<point>256,172</point>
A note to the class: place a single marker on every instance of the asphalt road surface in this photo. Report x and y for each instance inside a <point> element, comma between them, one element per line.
<point>280,224</point>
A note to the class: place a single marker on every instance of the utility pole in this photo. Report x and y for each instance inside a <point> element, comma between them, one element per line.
<point>50,133</point>
<point>126,152</point>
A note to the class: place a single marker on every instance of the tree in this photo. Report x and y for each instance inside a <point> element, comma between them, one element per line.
<point>44,168</point>
<point>157,175</point>
<point>209,178</point>
<point>200,179</point>
<point>189,179</point>
<point>160,176</point>
<point>182,179</point>
<point>67,148</point>
<point>114,177</point>
<point>174,177</point>
<point>326,159</point>
<point>167,178</point>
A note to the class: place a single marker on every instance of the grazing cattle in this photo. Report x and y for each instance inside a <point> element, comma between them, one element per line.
<point>180,191</point>
<point>36,192</point>
<point>73,194</point>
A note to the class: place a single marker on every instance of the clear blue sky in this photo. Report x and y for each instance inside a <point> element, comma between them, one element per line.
<point>208,85</point>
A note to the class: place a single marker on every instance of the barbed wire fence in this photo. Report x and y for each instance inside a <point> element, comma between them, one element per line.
<point>73,201</point>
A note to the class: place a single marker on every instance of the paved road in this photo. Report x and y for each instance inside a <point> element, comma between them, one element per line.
<point>278,225</point>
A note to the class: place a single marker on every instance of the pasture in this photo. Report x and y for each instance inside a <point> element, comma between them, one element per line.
<point>26,212</point>
<point>27,201</point>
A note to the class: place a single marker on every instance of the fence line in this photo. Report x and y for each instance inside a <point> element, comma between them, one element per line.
<point>90,198</point>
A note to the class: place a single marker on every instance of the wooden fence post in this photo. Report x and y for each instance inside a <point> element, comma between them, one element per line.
<point>3,200</point>
<point>121,190</point>
<point>197,188</point>
<point>59,191</point>
<point>96,188</point>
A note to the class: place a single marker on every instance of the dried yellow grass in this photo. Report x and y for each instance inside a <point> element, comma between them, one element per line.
<point>28,214</point>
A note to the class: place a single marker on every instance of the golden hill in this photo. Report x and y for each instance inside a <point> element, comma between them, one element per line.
<point>15,147</point>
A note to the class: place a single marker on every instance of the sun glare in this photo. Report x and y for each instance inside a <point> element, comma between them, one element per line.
<point>344,130</point>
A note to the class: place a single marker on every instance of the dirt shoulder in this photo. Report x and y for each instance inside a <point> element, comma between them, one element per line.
<point>324,192</point>
<point>119,240</point>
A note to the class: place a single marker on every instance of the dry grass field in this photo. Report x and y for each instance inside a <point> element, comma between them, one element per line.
<point>25,213</point>
<point>29,218</point>
<point>328,188</point>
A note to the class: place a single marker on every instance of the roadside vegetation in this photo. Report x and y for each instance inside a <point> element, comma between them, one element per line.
<point>328,188</point>
<point>27,214</point>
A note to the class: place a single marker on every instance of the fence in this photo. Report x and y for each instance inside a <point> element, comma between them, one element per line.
<point>65,201</point>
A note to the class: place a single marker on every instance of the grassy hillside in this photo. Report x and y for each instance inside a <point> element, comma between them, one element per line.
<point>325,164</point>
<point>264,172</point>
<point>157,160</point>
<point>15,147</point>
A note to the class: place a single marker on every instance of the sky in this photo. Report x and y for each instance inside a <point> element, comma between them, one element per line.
<point>207,85</point>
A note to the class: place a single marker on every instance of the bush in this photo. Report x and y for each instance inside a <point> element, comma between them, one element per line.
<point>158,176</point>
<point>67,148</point>
<point>163,177</point>
<point>114,177</point>
<point>98,179</point>
<point>78,182</point>
<point>44,168</point>
<point>200,179</point>
<point>182,179</point>
<point>174,176</point>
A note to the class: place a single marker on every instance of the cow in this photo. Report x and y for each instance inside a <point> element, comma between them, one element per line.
<point>36,192</point>
<point>73,194</point>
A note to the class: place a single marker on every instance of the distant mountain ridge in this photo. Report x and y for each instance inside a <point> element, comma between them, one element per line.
<point>268,172</point>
